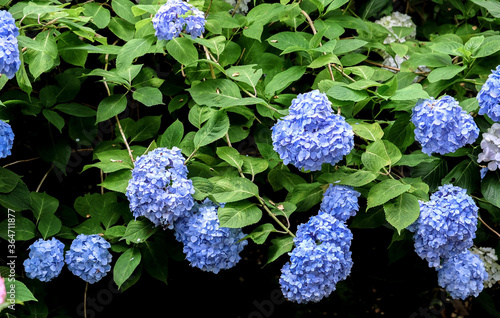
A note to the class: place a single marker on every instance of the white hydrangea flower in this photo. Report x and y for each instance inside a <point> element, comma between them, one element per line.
<point>242,7</point>
<point>489,258</point>
<point>491,147</point>
<point>397,19</point>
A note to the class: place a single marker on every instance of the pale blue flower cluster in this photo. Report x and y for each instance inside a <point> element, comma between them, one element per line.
<point>6,139</point>
<point>174,16</point>
<point>9,49</point>
<point>442,126</point>
<point>447,225</point>
<point>89,257</point>
<point>159,188</point>
<point>207,245</point>
<point>46,259</point>
<point>489,96</point>
<point>463,275</point>
<point>311,134</point>
<point>340,201</point>
<point>321,258</point>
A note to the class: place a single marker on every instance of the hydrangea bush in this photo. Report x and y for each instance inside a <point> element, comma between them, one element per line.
<point>270,157</point>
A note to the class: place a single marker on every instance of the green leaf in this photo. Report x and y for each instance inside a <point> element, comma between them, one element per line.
<point>182,49</point>
<point>99,14</point>
<point>445,73</point>
<point>490,46</point>
<point>414,91</point>
<point>139,231</point>
<point>490,188</point>
<point>117,181</point>
<point>145,128</point>
<point>431,172</point>
<point>343,93</point>
<point>45,57</point>
<point>124,9</point>
<point>24,228</point>
<point>464,175</point>
<point>246,74</point>
<point>125,265</point>
<point>350,177</point>
<point>220,93</point>
<point>155,258</point>
<point>253,166</point>
<point>286,39</point>
<point>415,158</point>
<point>215,128</point>
<point>324,60</point>
<point>282,80</point>
<point>305,195</point>
<point>231,156</point>
<point>366,131</point>
<point>385,191</point>
<point>111,106</point>
<point>8,180</point>
<point>234,189</point>
<point>49,225</point>
<point>349,45</point>
<point>111,161</point>
<point>379,154</point>
<point>122,29</point>
<point>23,294</point>
<point>43,204</point>
<point>132,50</point>
<point>402,211</point>
<point>17,199</point>
<point>200,114</point>
<point>239,214</point>
<point>54,118</point>
<point>280,246</point>
<point>75,109</point>
<point>172,136</point>
<point>260,233</point>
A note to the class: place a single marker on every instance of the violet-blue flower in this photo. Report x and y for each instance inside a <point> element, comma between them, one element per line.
<point>89,257</point>
<point>174,16</point>
<point>46,259</point>
<point>447,225</point>
<point>340,201</point>
<point>8,24</point>
<point>311,134</point>
<point>489,96</point>
<point>9,56</point>
<point>6,139</point>
<point>463,275</point>
<point>159,188</point>
<point>321,258</point>
<point>442,126</point>
<point>207,245</point>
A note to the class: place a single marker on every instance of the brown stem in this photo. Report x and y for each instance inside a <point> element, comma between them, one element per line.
<point>489,227</point>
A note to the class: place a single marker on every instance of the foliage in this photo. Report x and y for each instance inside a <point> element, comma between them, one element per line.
<point>100,89</point>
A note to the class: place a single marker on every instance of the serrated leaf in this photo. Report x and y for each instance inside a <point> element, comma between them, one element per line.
<point>231,156</point>
<point>182,49</point>
<point>402,211</point>
<point>280,246</point>
<point>172,136</point>
<point>233,189</point>
<point>239,214</point>
<point>111,106</point>
<point>385,191</point>
<point>139,231</point>
<point>215,128</point>
<point>261,233</point>
<point>49,225</point>
<point>125,265</point>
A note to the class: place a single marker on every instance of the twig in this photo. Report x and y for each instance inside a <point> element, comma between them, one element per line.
<point>85,300</point>
<point>236,7</point>
<point>124,138</point>
<point>271,214</point>
<point>19,161</point>
<point>311,24</point>
<point>489,227</point>
<point>382,65</point>
<point>44,177</point>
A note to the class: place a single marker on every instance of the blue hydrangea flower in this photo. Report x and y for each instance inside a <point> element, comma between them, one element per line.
<point>489,96</point>
<point>6,139</point>
<point>159,188</point>
<point>321,258</point>
<point>207,245</point>
<point>174,16</point>
<point>340,201</point>
<point>89,257</point>
<point>447,224</point>
<point>9,56</point>
<point>463,275</point>
<point>442,126</point>
<point>311,134</point>
<point>8,24</point>
<point>46,260</point>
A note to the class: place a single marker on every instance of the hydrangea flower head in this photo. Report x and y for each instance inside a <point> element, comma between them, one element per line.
<point>9,56</point>
<point>3,291</point>
<point>340,201</point>
<point>491,147</point>
<point>6,139</point>
<point>442,126</point>
<point>46,260</point>
<point>397,19</point>
<point>463,275</point>
<point>8,24</point>
<point>490,260</point>
<point>207,245</point>
<point>174,16</point>
<point>447,225</point>
<point>159,188</point>
<point>321,258</point>
<point>89,257</point>
<point>489,96</point>
<point>311,134</point>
